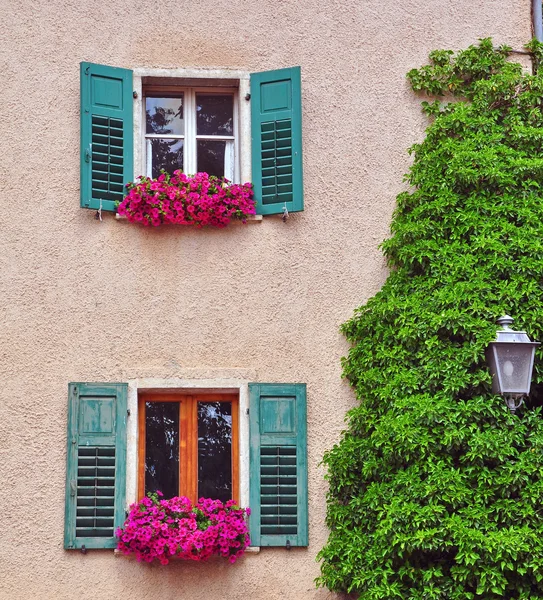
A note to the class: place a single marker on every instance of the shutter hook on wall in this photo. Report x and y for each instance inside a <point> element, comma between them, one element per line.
<point>285,213</point>
<point>98,215</point>
<point>288,545</point>
<point>83,549</point>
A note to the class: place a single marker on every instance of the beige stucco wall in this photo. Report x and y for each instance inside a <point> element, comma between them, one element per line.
<point>83,300</point>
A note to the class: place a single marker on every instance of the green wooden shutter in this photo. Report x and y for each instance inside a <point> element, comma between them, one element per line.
<point>107,143</point>
<point>276,130</point>
<point>96,464</point>
<point>278,483</point>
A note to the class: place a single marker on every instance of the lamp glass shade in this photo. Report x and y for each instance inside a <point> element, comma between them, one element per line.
<point>511,367</point>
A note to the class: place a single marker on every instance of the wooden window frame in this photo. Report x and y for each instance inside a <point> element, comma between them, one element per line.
<point>190,137</point>
<point>188,438</point>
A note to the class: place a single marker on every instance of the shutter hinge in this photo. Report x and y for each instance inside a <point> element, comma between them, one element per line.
<point>285,213</point>
<point>247,97</point>
<point>134,94</point>
<point>73,487</point>
<point>288,545</point>
<point>246,411</point>
<point>127,412</point>
<point>98,215</point>
<point>87,155</point>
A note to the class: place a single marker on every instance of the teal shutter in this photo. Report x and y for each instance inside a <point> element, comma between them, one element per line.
<point>96,464</point>
<point>276,131</point>
<point>107,143</point>
<point>278,482</point>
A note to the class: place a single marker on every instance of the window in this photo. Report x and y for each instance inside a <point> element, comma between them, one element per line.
<point>244,126</point>
<point>196,444</point>
<point>191,129</point>
<point>188,445</point>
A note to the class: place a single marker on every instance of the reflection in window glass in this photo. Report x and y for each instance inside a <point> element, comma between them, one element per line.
<point>214,114</point>
<point>216,157</point>
<point>162,448</point>
<point>164,115</point>
<point>215,450</point>
<point>164,154</point>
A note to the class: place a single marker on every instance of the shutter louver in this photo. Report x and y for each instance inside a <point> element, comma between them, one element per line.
<point>276,125</point>
<point>107,159</point>
<point>95,505</point>
<point>95,478</point>
<point>278,464</point>
<point>106,135</point>
<point>278,490</point>
<point>276,160</point>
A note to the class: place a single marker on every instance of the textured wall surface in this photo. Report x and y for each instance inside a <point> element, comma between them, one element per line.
<point>83,300</point>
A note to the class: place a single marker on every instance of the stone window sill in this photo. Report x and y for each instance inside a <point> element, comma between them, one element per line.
<point>250,219</point>
<point>249,550</point>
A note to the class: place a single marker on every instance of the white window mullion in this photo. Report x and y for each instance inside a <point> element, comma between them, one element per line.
<point>190,131</point>
<point>163,136</point>
<point>215,137</point>
<point>149,156</point>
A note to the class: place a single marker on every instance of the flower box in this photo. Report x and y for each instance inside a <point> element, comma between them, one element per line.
<point>164,529</point>
<point>181,199</point>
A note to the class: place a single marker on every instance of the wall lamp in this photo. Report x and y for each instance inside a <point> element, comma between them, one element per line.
<point>511,361</point>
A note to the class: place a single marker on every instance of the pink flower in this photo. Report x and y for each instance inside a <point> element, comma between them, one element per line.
<point>158,528</point>
<point>204,199</point>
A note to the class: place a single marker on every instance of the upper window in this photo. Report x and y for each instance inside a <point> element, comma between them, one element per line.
<point>194,130</point>
<point>245,127</point>
<point>188,445</point>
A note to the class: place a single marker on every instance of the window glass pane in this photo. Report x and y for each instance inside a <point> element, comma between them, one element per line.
<point>164,154</point>
<point>214,115</point>
<point>164,115</point>
<point>215,450</point>
<point>216,158</point>
<point>162,448</point>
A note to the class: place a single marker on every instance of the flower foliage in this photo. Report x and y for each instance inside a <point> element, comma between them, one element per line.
<point>435,488</point>
<point>182,199</point>
<point>161,529</point>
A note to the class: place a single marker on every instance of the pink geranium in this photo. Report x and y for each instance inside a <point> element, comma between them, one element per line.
<point>182,199</point>
<point>163,529</point>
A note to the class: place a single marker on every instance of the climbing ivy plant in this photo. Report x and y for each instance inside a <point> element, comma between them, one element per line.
<point>435,489</point>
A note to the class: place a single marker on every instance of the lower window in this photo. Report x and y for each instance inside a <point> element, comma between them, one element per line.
<point>188,445</point>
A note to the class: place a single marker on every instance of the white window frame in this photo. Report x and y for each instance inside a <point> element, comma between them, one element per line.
<point>242,111</point>
<point>190,137</point>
